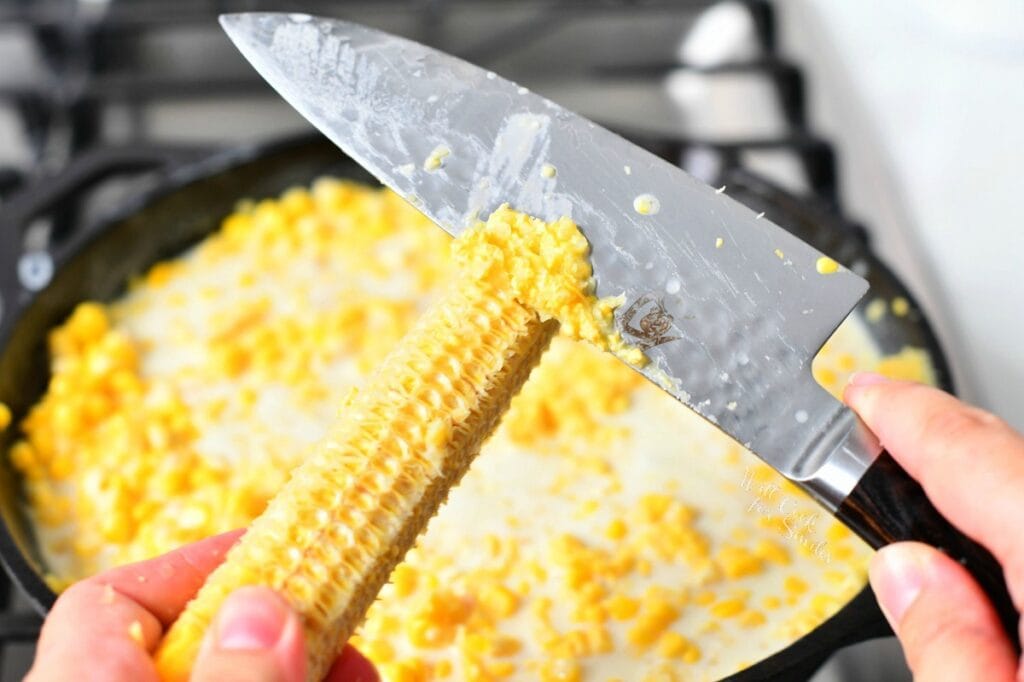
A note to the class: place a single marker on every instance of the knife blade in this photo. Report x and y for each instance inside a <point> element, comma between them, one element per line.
<point>730,308</point>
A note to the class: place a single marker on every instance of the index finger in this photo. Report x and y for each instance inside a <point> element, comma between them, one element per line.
<point>104,627</point>
<point>969,462</point>
<point>164,584</point>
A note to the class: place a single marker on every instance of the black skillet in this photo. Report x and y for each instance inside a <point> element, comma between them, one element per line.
<point>188,203</point>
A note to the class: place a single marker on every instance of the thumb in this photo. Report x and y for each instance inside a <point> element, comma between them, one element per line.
<point>255,637</point>
<point>947,628</point>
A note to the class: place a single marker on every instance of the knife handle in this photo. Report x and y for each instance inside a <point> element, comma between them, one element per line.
<point>889,506</point>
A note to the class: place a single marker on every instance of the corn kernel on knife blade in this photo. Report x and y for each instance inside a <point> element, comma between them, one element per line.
<point>729,307</point>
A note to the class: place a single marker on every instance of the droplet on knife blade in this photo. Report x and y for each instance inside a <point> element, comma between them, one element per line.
<point>436,158</point>
<point>646,204</point>
<point>826,266</point>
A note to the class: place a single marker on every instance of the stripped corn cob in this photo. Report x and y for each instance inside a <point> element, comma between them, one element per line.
<point>331,537</point>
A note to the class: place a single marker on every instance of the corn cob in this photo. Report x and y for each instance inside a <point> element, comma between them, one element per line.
<point>330,539</point>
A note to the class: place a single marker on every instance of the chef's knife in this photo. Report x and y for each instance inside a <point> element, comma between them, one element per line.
<point>730,308</point>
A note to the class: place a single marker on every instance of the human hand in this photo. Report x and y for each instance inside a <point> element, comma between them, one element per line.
<point>971,465</point>
<point>108,626</point>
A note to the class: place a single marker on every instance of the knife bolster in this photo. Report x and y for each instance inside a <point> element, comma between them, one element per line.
<point>842,469</point>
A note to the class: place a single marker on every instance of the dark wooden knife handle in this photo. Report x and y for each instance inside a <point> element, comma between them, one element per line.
<point>889,506</point>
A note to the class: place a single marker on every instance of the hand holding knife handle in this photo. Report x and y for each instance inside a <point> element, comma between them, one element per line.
<point>886,505</point>
<point>889,506</point>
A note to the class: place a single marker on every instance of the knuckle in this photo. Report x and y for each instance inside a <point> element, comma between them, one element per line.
<point>934,640</point>
<point>79,592</point>
<point>931,633</point>
<point>957,424</point>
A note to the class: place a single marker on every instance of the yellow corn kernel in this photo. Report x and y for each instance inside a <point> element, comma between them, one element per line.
<point>737,562</point>
<point>652,621</point>
<point>826,377</point>
<point>136,634</point>
<point>499,601</point>
<point>824,603</point>
<point>838,577</point>
<point>653,506</point>
<point>570,645</point>
<point>675,645</point>
<point>599,640</point>
<point>411,670</point>
<point>837,532</point>
<point>621,607</point>
<point>751,618</point>
<point>826,266</point>
<point>493,544</point>
<point>772,551</point>
<point>912,364</point>
<point>476,644</point>
<point>161,273</point>
<point>728,608</point>
<point>501,669</point>
<point>900,306</point>
<point>616,530</point>
<point>404,578</point>
<point>795,585</point>
<point>505,645</point>
<point>5,417</point>
<point>842,552</point>
<point>88,322</point>
<point>377,650</point>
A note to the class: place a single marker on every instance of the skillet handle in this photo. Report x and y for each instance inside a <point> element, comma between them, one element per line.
<point>43,195</point>
<point>889,506</point>
<point>23,272</point>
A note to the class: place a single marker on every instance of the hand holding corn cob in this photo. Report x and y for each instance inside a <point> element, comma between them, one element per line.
<point>329,540</point>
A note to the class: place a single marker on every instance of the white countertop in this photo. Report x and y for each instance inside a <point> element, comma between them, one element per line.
<point>925,102</point>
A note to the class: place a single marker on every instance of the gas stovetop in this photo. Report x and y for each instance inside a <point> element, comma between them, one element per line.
<point>697,82</point>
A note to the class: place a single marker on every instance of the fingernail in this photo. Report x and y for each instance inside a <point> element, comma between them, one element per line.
<point>898,574</point>
<point>868,379</point>
<point>251,619</point>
